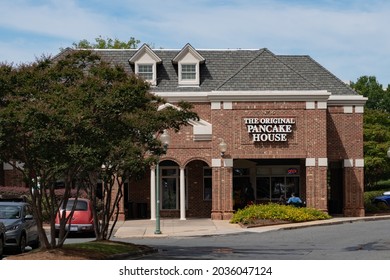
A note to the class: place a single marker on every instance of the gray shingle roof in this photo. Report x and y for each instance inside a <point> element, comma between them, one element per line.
<point>232,70</point>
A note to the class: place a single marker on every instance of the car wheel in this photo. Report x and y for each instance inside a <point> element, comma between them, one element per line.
<point>382,205</point>
<point>22,244</point>
<point>36,244</point>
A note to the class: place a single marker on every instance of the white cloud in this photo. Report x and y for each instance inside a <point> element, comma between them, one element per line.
<point>336,33</point>
<point>62,19</point>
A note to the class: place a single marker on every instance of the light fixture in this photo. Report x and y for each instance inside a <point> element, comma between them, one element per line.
<point>388,153</point>
<point>222,147</point>
<point>165,139</point>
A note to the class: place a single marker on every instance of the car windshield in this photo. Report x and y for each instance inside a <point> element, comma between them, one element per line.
<point>9,212</point>
<point>80,206</point>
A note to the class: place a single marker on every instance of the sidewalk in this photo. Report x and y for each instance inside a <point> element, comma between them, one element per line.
<point>207,227</point>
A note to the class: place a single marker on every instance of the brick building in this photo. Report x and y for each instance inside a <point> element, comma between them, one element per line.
<point>284,123</point>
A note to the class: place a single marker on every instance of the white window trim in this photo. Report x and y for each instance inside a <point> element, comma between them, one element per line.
<point>189,82</point>
<point>146,56</point>
<point>188,55</point>
<point>153,81</point>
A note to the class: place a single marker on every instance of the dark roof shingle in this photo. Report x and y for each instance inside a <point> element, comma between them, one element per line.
<point>234,70</point>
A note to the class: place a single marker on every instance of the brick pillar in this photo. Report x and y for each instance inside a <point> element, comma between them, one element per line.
<point>316,187</point>
<point>227,193</point>
<point>222,202</point>
<point>353,192</point>
<point>216,208</point>
<point>317,159</point>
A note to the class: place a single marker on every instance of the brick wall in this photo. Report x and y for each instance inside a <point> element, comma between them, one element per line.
<point>330,134</point>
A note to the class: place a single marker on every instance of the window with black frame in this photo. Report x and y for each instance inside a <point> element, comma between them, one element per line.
<point>207,183</point>
<point>169,188</point>
<point>276,188</point>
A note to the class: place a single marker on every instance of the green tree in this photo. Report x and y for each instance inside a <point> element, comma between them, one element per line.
<point>107,43</point>
<point>376,144</point>
<point>376,129</point>
<point>369,87</point>
<point>80,120</point>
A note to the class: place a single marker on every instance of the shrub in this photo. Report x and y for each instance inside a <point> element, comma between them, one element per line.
<point>273,211</point>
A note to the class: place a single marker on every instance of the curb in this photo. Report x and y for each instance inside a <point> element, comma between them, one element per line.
<point>329,223</point>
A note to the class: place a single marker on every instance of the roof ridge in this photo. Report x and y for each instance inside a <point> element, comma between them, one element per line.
<point>296,72</point>
<point>261,51</point>
<point>331,74</point>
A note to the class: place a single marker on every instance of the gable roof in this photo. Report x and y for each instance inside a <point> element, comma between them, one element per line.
<point>188,49</point>
<point>266,72</point>
<point>316,73</point>
<point>243,70</point>
<point>144,49</point>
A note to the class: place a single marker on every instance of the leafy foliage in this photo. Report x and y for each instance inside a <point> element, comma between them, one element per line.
<point>378,98</point>
<point>65,119</point>
<point>273,211</point>
<point>107,43</point>
<point>371,207</point>
<point>376,129</point>
<point>376,144</point>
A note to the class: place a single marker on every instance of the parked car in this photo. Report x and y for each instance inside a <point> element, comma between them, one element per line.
<point>2,238</point>
<point>82,219</point>
<point>21,227</point>
<point>382,201</point>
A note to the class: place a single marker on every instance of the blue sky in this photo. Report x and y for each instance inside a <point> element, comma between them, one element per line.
<point>351,38</point>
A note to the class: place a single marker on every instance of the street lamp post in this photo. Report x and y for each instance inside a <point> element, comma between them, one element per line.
<point>165,140</point>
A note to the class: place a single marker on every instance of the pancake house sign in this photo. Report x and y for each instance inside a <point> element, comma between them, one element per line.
<point>269,129</point>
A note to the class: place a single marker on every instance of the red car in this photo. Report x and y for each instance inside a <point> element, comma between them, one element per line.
<point>82,219</point>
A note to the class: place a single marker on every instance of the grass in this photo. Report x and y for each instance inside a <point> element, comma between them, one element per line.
<point>93,250</point>
<point>105,248</point>
<point>276,212</point>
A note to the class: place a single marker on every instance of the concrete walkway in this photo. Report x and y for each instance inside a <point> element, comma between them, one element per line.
<point>207,227</point>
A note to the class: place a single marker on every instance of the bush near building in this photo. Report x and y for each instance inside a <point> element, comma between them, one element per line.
<point>9,192</point>
<point>277,212</point>
<point>371,208</point>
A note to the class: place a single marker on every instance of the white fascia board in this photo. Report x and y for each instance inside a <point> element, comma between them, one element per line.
<point>188,49</point>
<point>313,95</point>
<point>341,100</point>
<point>285,95</point>
<point>183,96</point>
<point>201,126</point>
<point>145,49</point>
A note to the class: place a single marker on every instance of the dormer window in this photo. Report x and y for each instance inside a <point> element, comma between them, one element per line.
<point>188,61</point>
<point>145,64</point>
<point>145,71</point>
<point>188,72</point>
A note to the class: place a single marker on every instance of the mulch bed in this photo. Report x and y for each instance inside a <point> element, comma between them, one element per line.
<point>264,222</point>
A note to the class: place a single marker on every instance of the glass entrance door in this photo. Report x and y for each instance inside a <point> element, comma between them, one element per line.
<point>276,188</point>
<point>169,188</point>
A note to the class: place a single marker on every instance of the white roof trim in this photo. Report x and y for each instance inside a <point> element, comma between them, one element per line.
<point>319,95</point>
<point>184,96</point>
<point>141,51</point>
<point>287,95</point>
<point>342,100</point>
<point>188,49</point>
<point>304,96</point>
<point>201,129</point>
